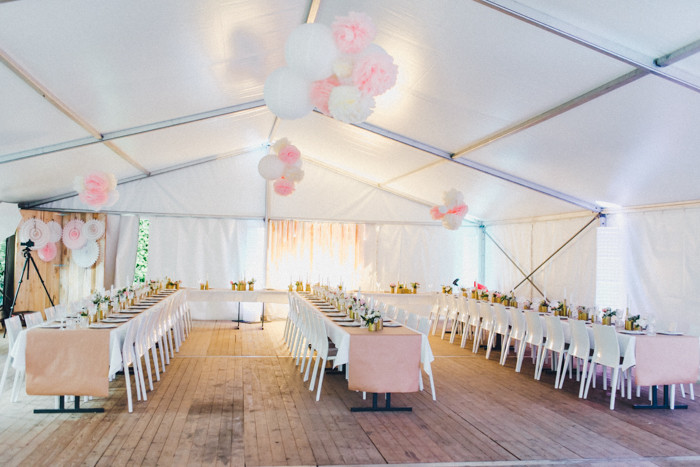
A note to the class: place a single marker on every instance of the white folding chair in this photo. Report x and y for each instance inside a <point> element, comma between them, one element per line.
<point>33,319</point>
<point>518,329</point>
<point>607,354</point>
<point>13,326</point>
<point>501,327</point>
<point>424,325</point>
<point>534,337</point>
<point>485,324</point>
<point>412,321</point>
<point>555,344</point>
<point>580,349</point>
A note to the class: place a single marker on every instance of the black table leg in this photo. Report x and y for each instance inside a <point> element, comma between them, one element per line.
<point>375,407</point>
<point>63,409</point>
<point>655,401</point>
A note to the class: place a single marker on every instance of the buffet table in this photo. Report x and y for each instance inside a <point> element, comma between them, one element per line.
<point>224,304</point>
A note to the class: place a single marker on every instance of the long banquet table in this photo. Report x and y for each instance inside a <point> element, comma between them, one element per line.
<point>78,361</point>
<point>215,303</point>
<point>386,361</point>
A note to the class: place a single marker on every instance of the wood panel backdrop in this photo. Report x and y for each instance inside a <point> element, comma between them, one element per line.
<point>65,280</point>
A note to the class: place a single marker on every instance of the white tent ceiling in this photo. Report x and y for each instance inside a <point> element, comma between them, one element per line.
<point>531,107</point>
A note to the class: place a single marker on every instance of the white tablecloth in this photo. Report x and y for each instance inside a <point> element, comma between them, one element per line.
<point>223,304</point>
<point>116,339</point>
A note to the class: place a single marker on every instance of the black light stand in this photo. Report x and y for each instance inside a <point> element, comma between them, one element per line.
<point>27,252</point>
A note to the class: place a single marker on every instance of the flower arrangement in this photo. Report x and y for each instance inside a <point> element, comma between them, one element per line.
<point>527,305</point>
<point>453,210</point>
<point>370,317</point>
<point>338,70</point>
<point>415,285</point>
<point>97,189</point>
<point>97,298</point>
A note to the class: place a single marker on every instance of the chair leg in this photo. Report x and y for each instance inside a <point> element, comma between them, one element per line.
<point>4,374</point>
<point>584,362</point>
<point>128,388</point>
<point>505,345</point>
<point>521,354</point>
<point>591,373</point>
<point>320,381</point>
<point>613,387</point>
<point>313,373</point>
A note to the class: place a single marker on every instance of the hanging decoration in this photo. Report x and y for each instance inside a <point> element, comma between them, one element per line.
<point>86,256</point>
<point>97,189</point>
<point>338,70</point>
<point>48,252</point>
<point>283,166</point>
<point>56,231</point>
<point>35,230</point>
<point>73,237</point>
<point>93,229</point>
<point>453,211</point>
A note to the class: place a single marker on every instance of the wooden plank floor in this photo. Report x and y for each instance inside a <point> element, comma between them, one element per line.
<point>235,397</point>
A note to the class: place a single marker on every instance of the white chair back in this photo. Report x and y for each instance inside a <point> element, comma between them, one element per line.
<point>412,321</point>
<point>607,349</point>
<point>580,345</point>
<point>555,334</point>
<point>535,333</point>
<point>33,319</point>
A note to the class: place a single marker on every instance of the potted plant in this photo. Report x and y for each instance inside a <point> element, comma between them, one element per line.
<point>251,284</point>
<point>415,286</point>
<point>234,285</point>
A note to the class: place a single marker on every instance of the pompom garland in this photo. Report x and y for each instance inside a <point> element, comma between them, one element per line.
<point>452,212</point>
<point>284,167</point>
<point>342,82</point>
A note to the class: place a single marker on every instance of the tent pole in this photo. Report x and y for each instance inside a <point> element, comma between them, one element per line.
<point>558,250</point>
<point>482,254</point>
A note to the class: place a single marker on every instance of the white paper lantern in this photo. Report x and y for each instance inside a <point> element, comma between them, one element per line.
<point>271,167</point>
<point>287,94</point>
<point>310,51</point>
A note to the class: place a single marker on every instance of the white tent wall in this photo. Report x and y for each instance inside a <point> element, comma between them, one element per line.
<point>570,274</point>
<point>662,264</point>
<point>430,255</point>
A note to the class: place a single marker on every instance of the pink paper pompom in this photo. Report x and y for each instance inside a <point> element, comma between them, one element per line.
<point>283,187</point>
<point>374,72</point>
<point>97,181</point>
<point>354,32</point>
<point>320,92</point>
<point>435,213</point>
<point>95,199</point>
<point>459,210</point>
<point>289,154</point>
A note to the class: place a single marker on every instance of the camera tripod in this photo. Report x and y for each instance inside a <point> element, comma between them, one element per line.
<point>27,253</point>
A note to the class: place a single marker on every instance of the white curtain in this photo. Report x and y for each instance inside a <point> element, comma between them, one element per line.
<point>120,250</point>
<point>201,249</point>
<point>662,264</point>
<point>570,274</point>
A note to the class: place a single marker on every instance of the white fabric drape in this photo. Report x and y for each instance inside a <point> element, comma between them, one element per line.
<point>662,264</point>
<point>570,274</point>
<point>120,250</point>
<point>217,250</point>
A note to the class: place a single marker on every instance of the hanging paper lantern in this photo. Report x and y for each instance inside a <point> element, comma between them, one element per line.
<point>283,187</point>
<point>310,51</point>
<point>271,167</point>
<point>48,252</point>
<point>287,94</point>
<point>73,237</point>
<point>453,211</point>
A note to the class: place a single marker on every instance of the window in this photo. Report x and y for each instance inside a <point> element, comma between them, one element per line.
<point>141,270</point>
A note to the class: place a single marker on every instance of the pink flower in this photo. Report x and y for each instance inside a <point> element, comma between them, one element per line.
<point>460,210</point>
<point>353,33</point>
<point>97,181</point>
<point>289,154</point>
<point>374,72</point>
<point>435,213</point>
<point>95,199</point>
<point>321,90</point>
<point>283,187</point>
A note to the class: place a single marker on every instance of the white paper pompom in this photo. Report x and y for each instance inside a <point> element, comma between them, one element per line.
<point>271,167</point>
<point>287,94</point>
<point>453,197</point>
<point>349,105</point>
<point>293,173</point>
<point>452,221</point>
<point>310,51</point>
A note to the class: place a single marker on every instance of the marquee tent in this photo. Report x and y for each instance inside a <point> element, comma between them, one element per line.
<point>544,114</point>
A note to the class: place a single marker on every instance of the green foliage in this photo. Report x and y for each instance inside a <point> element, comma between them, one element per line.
<point>2,267</point>
<point>141,270</point>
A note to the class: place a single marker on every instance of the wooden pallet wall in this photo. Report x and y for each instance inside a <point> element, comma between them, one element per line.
<point>64,280</point>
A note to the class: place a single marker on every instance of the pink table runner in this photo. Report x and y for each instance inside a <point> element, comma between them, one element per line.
<point>384,361</point>
<point>73,362</point>
<point>667,360</point>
